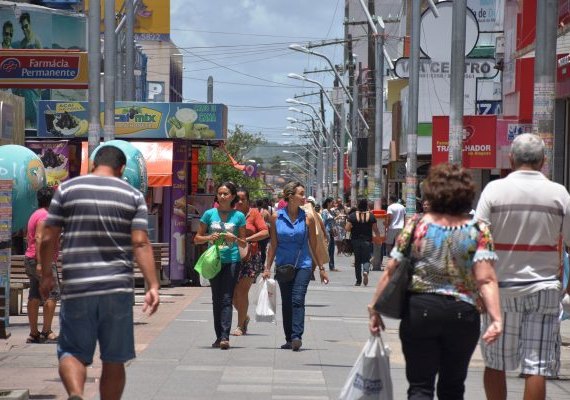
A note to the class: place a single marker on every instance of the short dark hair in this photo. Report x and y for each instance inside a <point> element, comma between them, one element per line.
<point>393,198</point>
<point>327,201</point>
<point>362,204</point>
<point>449,189</point>
<point>44,196</point>
<point>110,156</point>
<point>232,188</point>
<point>25,16</point>
<point>244,190</point>
<point>7,24</point>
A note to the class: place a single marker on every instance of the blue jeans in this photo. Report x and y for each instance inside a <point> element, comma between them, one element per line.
<point>293,304</point>
<point>223,286</point>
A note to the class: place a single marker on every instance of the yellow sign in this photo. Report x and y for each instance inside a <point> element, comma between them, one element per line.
<point>135,119</point>
<point>152,18</point>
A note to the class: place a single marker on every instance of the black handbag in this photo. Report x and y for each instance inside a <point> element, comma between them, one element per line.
<point>286,272</point>
<point>393,300</point>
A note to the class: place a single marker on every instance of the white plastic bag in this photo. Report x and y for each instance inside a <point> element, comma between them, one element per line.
<point>266,302</point>
<point>370,376</point>
<point>204,281</point>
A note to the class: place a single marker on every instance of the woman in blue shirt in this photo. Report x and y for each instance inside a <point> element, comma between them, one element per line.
<point>293,238</point>
<point>227,224</point>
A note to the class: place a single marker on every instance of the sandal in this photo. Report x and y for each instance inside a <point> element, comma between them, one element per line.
<point>49,337</point>
<point>34,338</point>
<point>238,331</point>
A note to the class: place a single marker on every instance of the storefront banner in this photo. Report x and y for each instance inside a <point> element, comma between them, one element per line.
<point>479,140</point>
<point>178,211</point>
<point>507,131</point>
<point>55,157</point>
<point>137,120</point>
<point>5,253</point>
<point>45,69</point>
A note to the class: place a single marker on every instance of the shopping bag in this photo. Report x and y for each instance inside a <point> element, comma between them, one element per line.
<point>266,302</point>
<point>370,377</point>
<point>209,263</point>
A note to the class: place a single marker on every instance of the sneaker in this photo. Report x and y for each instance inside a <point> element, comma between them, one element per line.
<point>216,344</point>
<point>296,344</point>
<point>365,278</point>
<point>286,346</point>
<point>224,344</point>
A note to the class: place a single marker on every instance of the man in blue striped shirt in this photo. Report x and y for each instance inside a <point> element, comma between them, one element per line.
<point>104,223</point>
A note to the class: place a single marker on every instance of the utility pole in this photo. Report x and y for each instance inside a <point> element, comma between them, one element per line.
<point>457,82</point>
<point>342,139</point>
<point>94,92</point>
<point>209,152</point>
<point>130,51</point>
<point>326,162</point>
<point>120,71</point>
<point>545,78</point>
<point>413,94</point>
<point>110,65</point>
<point>355,136</point>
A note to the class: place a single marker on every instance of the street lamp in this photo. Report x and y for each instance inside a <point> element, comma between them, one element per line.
<point>296,164</point>
<point>319,84</point>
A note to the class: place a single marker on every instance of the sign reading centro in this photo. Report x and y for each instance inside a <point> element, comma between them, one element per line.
<point>479,137</point>
<point>53,69</point>
<point>190,121</point>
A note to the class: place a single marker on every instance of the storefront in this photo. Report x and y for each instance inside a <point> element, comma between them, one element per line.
<point>169,136</point>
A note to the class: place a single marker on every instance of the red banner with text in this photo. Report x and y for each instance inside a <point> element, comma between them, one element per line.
<point>479,137</point>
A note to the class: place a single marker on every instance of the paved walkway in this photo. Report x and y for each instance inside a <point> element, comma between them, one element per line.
<point>175,360</point>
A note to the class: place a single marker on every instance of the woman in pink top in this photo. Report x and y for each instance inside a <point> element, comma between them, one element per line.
<point>33,266</point>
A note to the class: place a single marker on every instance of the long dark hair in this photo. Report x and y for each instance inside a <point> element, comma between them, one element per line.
<point>233,190</point>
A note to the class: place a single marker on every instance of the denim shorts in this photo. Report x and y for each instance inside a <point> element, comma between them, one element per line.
<point>35,280</point>
<point>107,319</point>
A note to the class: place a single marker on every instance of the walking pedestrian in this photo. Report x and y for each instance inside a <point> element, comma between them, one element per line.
<point>328,216</point>
<point>362,225</point>
<point>339,226</point>
<point>104,223</point>
<point>396,219</point>
<point>33,265</point>
<point>453,257</point>
<point>293,239</point>
<point>228,225</point>
<point>263,207</point>
<point>256,231</point>
<point>528,215</point>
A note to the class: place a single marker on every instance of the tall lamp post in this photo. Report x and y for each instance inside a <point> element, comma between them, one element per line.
<point>308,163</point>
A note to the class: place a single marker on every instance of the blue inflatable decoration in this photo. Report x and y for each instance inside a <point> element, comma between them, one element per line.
<point>26,170</point>
<point>135,170</point>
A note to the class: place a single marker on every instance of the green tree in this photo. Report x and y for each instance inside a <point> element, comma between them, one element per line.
<point>239,143</point>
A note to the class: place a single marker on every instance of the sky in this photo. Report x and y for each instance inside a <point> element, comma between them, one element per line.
<point>243,45</point>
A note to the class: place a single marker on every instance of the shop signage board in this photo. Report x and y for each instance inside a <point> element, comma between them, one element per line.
<point>43,69</point>
<point>178,221</point>
<point>507,131</point>
<point>137,120</point>
<point>5,254</point>
<point>55,155</point>
<point>479,141</point>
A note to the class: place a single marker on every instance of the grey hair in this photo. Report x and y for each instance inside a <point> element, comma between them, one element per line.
<point>527,149</point>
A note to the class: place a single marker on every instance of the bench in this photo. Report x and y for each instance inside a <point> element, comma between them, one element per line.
<point>160,252</point>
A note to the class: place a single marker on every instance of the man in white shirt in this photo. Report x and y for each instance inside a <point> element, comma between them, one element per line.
<point>396,219</point>
<point>528,215</point>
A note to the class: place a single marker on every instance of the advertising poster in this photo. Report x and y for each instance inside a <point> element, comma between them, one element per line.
<point>34,28</point>
<point>479,139</point>
<point>137,120</point>
<point>55,156</point>
<point>178,214</point>
<point>507,131</point>
<point>5,253</point>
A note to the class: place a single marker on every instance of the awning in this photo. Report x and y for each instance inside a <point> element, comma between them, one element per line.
<point>158,157</point>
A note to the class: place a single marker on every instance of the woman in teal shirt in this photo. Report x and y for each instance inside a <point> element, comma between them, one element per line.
<point>227,224</point>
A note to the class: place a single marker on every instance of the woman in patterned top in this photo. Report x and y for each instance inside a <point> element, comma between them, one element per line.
<point>453,258</point>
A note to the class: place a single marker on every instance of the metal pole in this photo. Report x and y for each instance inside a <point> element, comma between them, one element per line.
<point>379,115</point>
<point>120,72</point>
<point>545,78</point>
<point>209,151</point>
<point>319,194</point>
<point>130,51</point>
<point>457,82</point>
<point>341,153</point>
<point>330,162</point>
<point>414,88</point>
<point>324,141</point>
<point>110,65</point>
<point>94,92</point>
<point>355,135</point>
